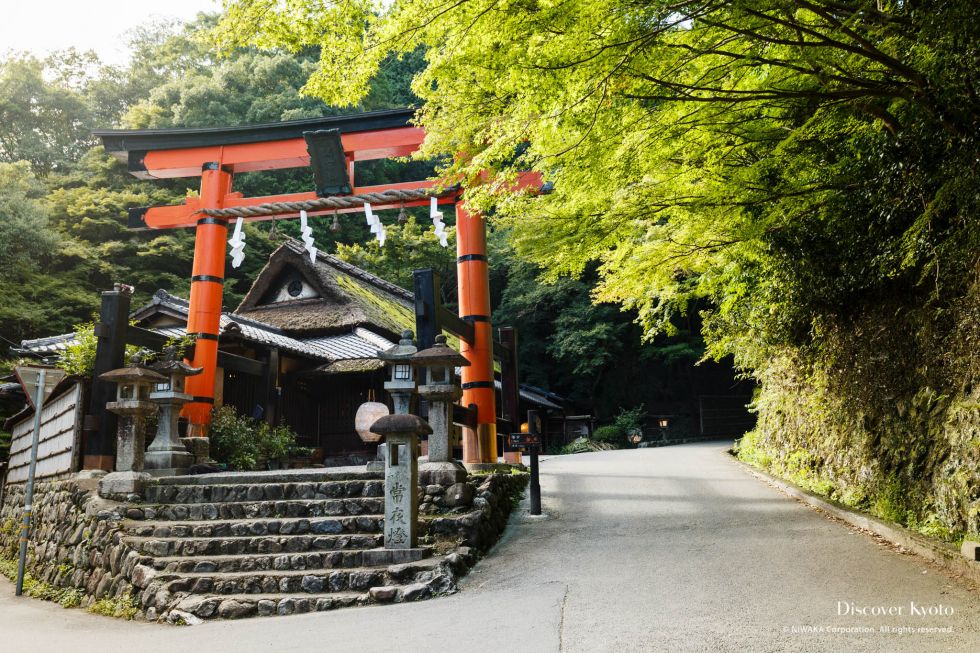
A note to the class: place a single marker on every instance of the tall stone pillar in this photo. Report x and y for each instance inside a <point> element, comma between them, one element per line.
<point>401,433</point>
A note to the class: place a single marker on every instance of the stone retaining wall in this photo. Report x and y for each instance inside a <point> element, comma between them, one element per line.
<point>75,539</point>
<point>494,497</point>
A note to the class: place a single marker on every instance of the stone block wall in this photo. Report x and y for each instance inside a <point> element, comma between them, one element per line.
<point>480,525</point>
<point>75,539</point>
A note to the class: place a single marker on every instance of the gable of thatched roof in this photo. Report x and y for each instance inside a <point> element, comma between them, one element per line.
<point>331,296</point>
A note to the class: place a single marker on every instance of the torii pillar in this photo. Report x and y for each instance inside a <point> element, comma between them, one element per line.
<point>479,446</point>
<point>207,285</point>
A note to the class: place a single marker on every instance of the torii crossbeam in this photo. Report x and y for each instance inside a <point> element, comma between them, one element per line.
<point>217,154</point>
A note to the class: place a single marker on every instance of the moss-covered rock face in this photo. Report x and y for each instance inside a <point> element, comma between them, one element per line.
<point>888,421</point>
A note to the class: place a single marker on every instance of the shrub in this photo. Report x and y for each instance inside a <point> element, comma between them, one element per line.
<point>630,421</point>
<point>584,445</point>
<point>9,533</point>
<point>611,434</point>
<point>244,443</point>
<point>78,358</point>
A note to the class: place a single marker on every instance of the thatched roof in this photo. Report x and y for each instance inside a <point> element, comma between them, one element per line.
<point>331,296</point>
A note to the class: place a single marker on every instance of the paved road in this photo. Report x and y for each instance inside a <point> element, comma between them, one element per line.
<point>673,549</point>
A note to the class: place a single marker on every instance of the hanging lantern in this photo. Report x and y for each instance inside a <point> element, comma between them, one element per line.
<point>402,215</point>
<point>367,414</point>
<point>335,227</point>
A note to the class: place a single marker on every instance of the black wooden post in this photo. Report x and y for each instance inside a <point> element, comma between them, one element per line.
<point>532,429</point>
<point>427,304</point>
<point>509,388</point>
<point>271,386</point>
<point>110,352</point>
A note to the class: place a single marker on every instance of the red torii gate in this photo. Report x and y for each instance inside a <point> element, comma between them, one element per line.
<point>217,154</point>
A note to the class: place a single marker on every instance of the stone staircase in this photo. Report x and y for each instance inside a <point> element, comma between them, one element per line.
<point>237,545</point>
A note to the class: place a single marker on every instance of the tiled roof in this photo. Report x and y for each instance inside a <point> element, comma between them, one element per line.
<point>358,344</point>
<point>50,345</point>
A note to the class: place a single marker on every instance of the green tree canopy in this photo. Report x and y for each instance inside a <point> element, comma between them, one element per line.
<point>741,151</point>
<point>43,122</point>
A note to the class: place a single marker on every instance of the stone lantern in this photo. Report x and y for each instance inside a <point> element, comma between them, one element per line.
<point>437,365</point>
<point>133,405</point>
<point>400,384</point>
<point>401,380</point>
<point>167,454</point>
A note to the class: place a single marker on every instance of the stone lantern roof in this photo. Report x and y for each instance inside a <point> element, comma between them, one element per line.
<point>440,354</point>
<point>176,367</point>
<point>403,350</point>
<point>132,375</point>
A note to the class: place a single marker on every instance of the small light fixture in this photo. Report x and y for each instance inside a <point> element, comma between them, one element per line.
<point>403,372</point>
<point>635,438</point>
<point>335,227</point>
<point>402,215</point>
<point>663,422</point>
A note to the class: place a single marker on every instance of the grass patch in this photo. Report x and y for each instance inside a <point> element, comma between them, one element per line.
<point>66,597</point>
<point>123,607</point>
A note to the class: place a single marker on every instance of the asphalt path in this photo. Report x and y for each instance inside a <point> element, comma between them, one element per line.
<point>670,549</point>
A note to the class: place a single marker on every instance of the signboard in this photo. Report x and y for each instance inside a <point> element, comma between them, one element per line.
<point>523,441</point>
<point>30,375</point>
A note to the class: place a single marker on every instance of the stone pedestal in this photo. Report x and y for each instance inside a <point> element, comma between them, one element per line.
<point>199,448</point>
<point>401,433</point>
<point>441,421</point>
<point>131,432</point>
<point>130,443</point>
<point>167,455</point>
<point>444,473</point>
<point>118,483</point>
<point>378,464</point>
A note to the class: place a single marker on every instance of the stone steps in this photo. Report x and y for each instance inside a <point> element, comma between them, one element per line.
<point>261,543</point>
<point>259,526</point>
<point>258,509</point>
<point>259,562</point>
<point>255,544</point>
<point>359,579</point>
<point>236,606</point>
<point>271,491</point>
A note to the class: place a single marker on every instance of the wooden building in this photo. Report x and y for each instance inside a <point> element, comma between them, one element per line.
<point>317,327</point>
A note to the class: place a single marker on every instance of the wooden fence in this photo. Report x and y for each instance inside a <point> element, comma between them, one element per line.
<point>59,444</point>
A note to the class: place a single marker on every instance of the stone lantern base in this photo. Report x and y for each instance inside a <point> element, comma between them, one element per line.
<point>200,448</point>
<point>116,483</point>
<point>173,462</point>
<point>444,473</point>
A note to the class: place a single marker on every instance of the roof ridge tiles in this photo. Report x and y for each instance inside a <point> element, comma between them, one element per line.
<point>165,297</point>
